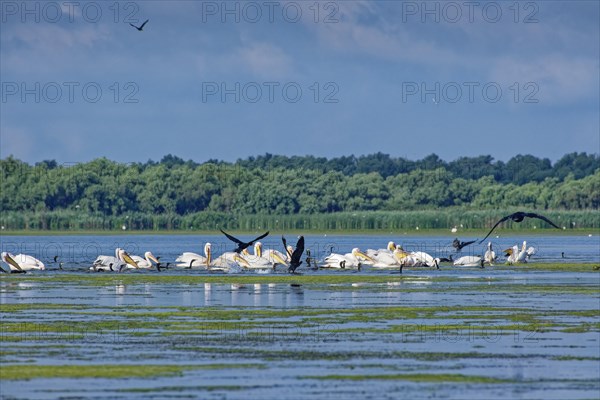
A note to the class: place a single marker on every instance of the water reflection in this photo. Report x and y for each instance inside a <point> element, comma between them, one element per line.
<point>119,295</point>
<point>207,294</point>
<point>257,296</point>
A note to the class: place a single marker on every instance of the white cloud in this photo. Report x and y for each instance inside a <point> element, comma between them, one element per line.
<point>265,60</point>
<point>258,59</point>
<point>40,48</point>
<point>53,38</point>
<point>551,56</point>
<point>560,79</point>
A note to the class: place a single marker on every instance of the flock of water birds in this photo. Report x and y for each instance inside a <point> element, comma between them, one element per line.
<point>393,256</point>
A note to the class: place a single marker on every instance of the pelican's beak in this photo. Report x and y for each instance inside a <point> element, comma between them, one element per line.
<point>245,252</point>
<point>400,255</point>
<point>241,260</point>
<point>11,261</point>
<point>391,246</point>
<point>208,257</point>
<point>129,260</point>
<point>257,250</point>
<point>279,259</point>
<point>363,256</point>
<point>508,251</point>
<point>151,256</point>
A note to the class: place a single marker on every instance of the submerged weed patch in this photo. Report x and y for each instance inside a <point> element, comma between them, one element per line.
<point>425,378</point>
<point>106,371</point>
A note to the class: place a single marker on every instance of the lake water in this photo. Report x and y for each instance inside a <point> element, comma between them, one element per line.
<point>515,332</point>
<point>80,251</point>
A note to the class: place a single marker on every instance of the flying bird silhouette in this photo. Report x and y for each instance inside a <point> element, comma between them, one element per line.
<point>242,245</point>
<point>458,245</point>
<point>296,255</point>
<point>518,217</point>
<point>141,27</point>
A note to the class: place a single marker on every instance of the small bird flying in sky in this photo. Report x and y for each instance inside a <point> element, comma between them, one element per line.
<point>141,27</point>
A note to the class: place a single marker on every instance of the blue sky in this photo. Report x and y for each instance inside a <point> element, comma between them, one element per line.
<point>229,80</point>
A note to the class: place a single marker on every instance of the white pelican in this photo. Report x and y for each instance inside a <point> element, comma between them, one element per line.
<point>490,255</point>
<point>191,260</point>
<point>144,263</point>
<point>408,261</point>
<point>228,261</point>
<point>526,252</point>
<point>271,256</point>
<point>22,262</point>
<point>126,260</point>
<point>383,258</point>
<point>530,251</point>
<point>258,260</point>
<point>512,254</point>
<point>469,261</point>
<point>391,246</point>
<point>108,263</point>
<point>423,259</point>
<point>348,260</point>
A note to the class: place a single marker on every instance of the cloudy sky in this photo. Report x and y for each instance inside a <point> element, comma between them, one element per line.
<point>228,80</point>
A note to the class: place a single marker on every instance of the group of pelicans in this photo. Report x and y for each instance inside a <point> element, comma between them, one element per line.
<point>393,256</point>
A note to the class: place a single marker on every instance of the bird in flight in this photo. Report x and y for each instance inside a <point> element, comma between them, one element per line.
<point>242,245</point>
<point>141,27</point>
<point>458,245</point>
<point>296,255</point>
<point>518,217</point>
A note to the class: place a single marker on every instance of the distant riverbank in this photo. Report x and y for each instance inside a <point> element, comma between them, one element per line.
<point>443,221</point>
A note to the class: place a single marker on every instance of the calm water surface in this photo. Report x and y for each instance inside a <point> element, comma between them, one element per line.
<point>532,333</point>
<point>77,251</point>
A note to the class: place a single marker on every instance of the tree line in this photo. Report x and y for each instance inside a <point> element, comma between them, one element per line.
<point>302,186</point>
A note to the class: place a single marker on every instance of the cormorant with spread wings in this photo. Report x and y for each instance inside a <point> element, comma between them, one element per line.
<point>295,255</point>
<point>242,245</point>
<point>518,217</point>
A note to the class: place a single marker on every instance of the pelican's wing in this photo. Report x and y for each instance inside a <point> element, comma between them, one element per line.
<point>233,239</point>
<point>11,261</point>
<point>187,256</point>
<point>145,22</point>
<point>534,215</point>
<point>133,25</point>
<point>297,254</point>
<point>494,227</point>
<point>127,258</point>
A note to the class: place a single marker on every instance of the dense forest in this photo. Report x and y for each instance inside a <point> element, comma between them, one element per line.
<point>270,190</point>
